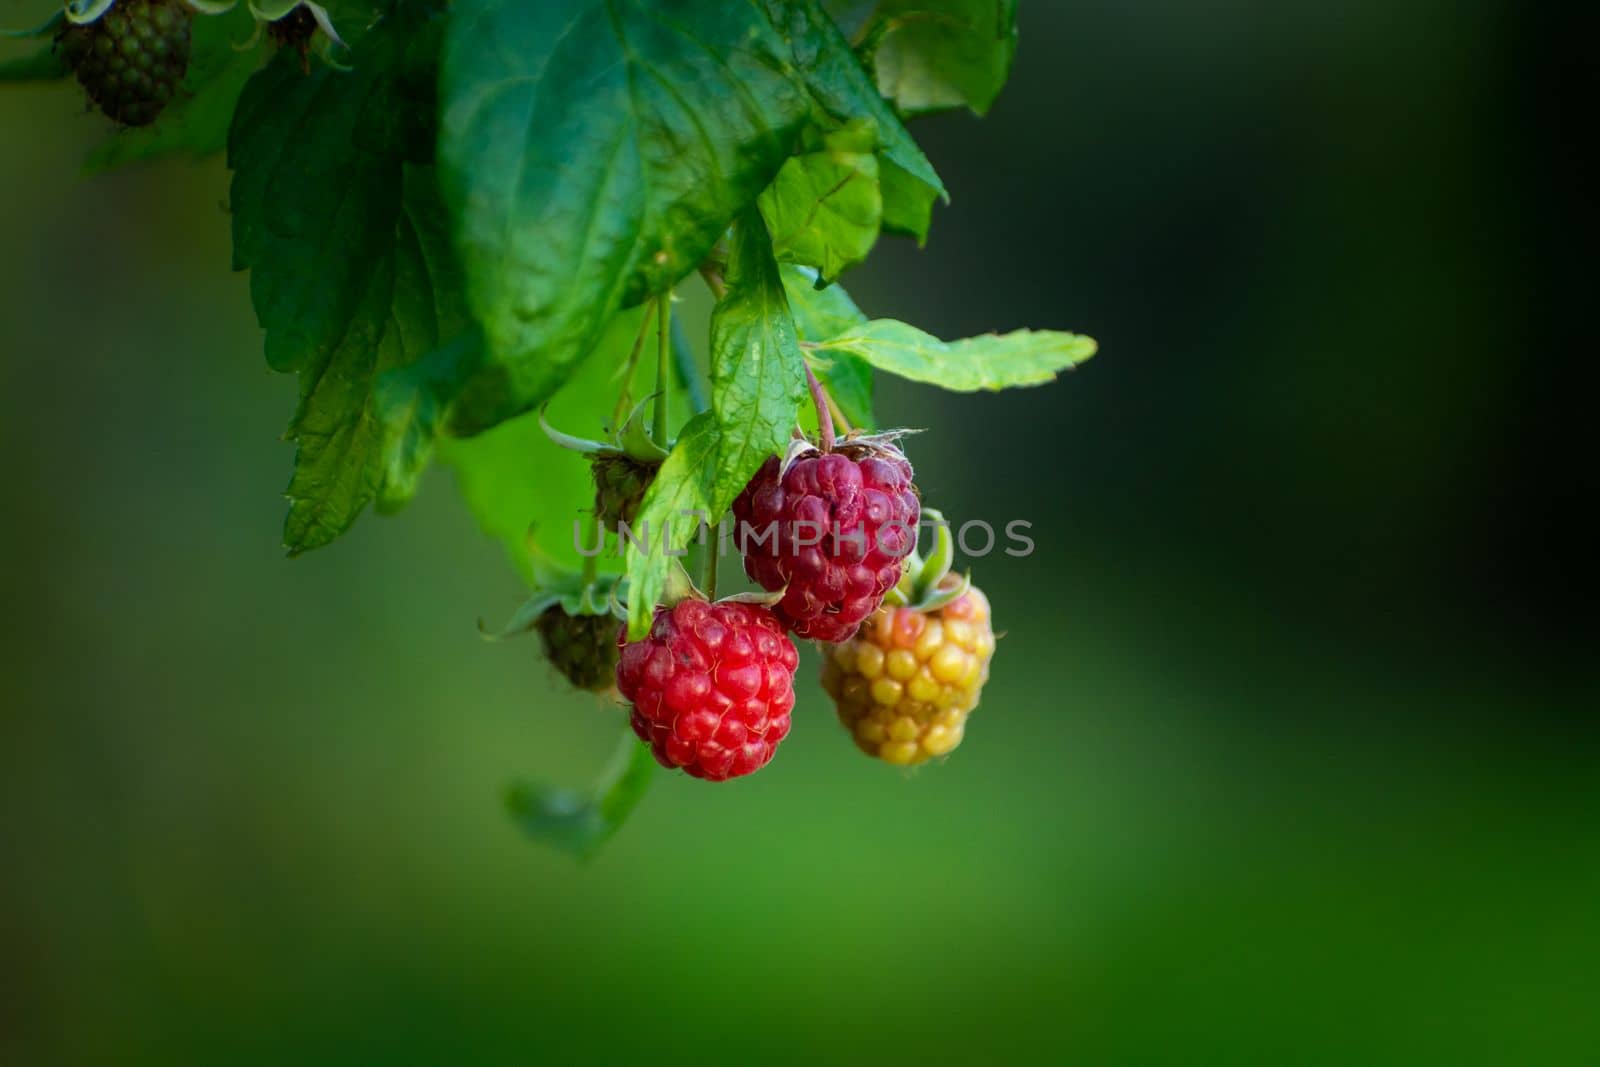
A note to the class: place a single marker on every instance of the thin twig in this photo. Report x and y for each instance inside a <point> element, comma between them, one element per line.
<point>709,582</point>
<point>625,398</point>
<point>663,350</point>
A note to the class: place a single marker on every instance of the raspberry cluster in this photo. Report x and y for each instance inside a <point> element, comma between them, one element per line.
<point>131,60</point>
<point>906,683</point>
<point>831,531</point>
<point>711,686</point>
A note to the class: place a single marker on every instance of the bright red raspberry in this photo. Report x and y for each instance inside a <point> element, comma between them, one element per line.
<point>712,687</point>
<point>832,533</point>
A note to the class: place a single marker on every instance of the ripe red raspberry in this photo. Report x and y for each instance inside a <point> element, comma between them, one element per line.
<point>832,532</point>
<point>712,687</point>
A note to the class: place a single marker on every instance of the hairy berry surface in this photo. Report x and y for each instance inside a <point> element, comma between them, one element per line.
<point>832,532</point>
<point>712,687</point>
<point>907,682</point>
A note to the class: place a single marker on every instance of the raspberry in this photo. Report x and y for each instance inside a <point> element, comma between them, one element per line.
<point>131,60</point>
<point>712,687</point>
<point>905,685</point>
<point>620,482</point>
<point>582,647</point>
<point>831,531</point>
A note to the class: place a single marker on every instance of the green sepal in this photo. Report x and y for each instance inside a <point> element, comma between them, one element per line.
<point>937,563</point>
<point>574,444</point>
<point>594,598</point>
<point>925,582</point>
<point>946,593</point>
<point>579,822</point>
<point>83,12</point>
<point>525,619</point>
<point>632,440</point>
<point>565,590</point>
<point>634,437</point>
<point>273,10</point>
<point>763,598</point>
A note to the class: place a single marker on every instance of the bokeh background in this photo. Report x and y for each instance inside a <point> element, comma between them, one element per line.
<point>1288,756</point>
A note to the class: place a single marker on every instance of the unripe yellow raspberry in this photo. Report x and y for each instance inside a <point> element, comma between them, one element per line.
<point>906,682</point>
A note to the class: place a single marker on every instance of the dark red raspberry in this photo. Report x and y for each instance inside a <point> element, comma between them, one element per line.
<point>832,533</point>
<point>712,687</point>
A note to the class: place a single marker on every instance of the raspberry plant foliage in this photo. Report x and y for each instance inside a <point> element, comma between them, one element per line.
<point>459,214</point>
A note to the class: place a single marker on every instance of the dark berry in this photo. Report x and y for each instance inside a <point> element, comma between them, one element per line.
<point>582,647</point>
<point>620,483</point>
<point>131,60</point>
<point>832,533</point>
<point>294,30</point>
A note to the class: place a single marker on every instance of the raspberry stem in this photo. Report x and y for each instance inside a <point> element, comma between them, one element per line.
<point>709,584</point>
<point>663,351</point>
<point>839,418</point>
<point>819,397</point>
<point>625,398</point>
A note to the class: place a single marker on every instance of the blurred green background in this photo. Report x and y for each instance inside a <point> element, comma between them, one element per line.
<point>1287,757</point>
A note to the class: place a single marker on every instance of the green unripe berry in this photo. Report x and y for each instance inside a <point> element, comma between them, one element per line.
<point>132,59</point>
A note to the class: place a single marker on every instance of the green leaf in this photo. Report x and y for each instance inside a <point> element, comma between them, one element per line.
<point>989,361</point>
<point>824,208</point>
<point>196,122</point>
<point>757,381</point>
<point>907,202</point>
<point>345,237</point>
<point>593,153</point>
<point>843,90</point>
<point>580,822</point>
<point>341,464</point>
<point>42,66</point>
<point>818,315</point>
<point>933,55</point>
<point>411,402</point>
